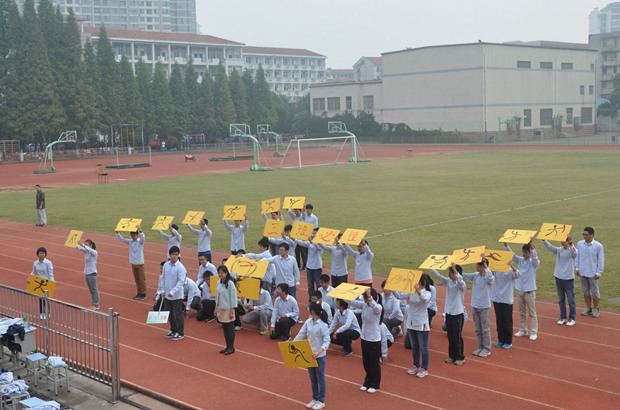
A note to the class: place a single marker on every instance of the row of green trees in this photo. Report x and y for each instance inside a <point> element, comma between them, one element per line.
<point>49,83</point>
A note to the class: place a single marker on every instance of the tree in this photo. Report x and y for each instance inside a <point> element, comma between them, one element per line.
<point>237,92</point>
<point>113,106</point>
<point>91,89</point>
<point>224,108</point>
<point>262,111</point>
<point>143,84</point>
<point>180,105</point>
<point>162,104</point>
<point>36,110</point>
<point>206,107</point>
<point>130,94</point>
<point>283,111</point>
<point>10,32</point>
<point>193,99</point>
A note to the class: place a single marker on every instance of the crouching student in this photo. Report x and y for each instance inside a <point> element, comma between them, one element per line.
<point>317,296</point>
<point>344,328</point>
<point>387,340</point>
<point>191,294</point>
<point>284,315</point>
<point>259,312</point>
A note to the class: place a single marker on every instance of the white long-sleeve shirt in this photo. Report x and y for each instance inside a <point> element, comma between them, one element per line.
<point>339,259</point>
<point>171,280</point>
<point>202,269</point>
<point>90,259</point>
<point>174,239</point>
<point>417,305</point>
<point>263,302</point>
<point>590,259</point>
<point>43,269</point>
<point>204,237</point>
<point>363,263</point>
<point>455,293</point>
<point>328,299</point>
<point>564,260</point>
<point>371,315</point>
<point>346,320</point>
<point>190,290</point>
<point>237,235</point>
<point>287,270</point>
<point>136,248</point>
<point>386,336</point>
<point>270,274</point>
<point>291,243</point>
<point>503,287</point>
<point>315,254</point>
<point>481,289</point>
<point>391,308</point>
<point>527,281</point>
<point>288,307</point>
<point>317,333</point>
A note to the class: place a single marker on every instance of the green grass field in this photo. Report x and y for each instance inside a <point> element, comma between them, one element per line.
<point>411,207</point>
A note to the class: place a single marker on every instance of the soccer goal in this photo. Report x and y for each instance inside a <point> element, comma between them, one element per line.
<point>305,152</point>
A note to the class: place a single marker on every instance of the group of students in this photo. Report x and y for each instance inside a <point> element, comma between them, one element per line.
<point>375,318</point>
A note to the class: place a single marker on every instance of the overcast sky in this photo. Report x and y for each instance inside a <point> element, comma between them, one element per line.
<point>345,30</point>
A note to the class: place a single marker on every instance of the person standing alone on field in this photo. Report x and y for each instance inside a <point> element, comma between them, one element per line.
<point>590,263</point>
<point>40,202</point>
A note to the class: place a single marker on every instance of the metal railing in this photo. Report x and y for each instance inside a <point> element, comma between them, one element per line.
<point>87,341</point>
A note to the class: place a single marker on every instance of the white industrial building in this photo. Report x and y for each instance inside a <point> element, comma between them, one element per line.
<point>477,89</point>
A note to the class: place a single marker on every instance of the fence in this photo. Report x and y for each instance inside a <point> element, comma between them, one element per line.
<point>86,340</point>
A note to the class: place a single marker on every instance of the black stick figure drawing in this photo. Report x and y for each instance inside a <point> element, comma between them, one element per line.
<point>42,283</point>
<point>467,252</point>
<point>270,206</point>
<point>515,235</point>
<point>232,212</point>
<point>351,291</point>
<point>298,353</point>
<point>129,222</point>
<point>554,231</point>
<point>439,263</point>
<point>292,202</point>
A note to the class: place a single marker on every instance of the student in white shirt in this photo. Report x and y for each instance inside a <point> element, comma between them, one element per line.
<point>237,235</point>
<point>317,296</point>
<point>339,254</point>
<point>284,315</point>
<point>344,328</point>
<point>89,249</point>
<point>392,315</point>
<point>42,268</point>
<point>174,239</point>
<point>564,274</point>
<point>372,313</point>
<point>204,238</point>
<point>363,262</point>
<point>259,312</point>
<point>316,331</point>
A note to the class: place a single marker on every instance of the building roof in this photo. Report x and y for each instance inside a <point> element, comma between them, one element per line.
<point>536,44</point>
<point>162,36</point>
<point>376,60</point>
<point>278,51</point>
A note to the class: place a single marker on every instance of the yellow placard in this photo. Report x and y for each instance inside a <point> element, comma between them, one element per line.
<point>162,222</point>
<point>247,267</point>
<point>440,262</point>
<point>270,205</point>
<point>273,228</point>
<point>213,284</point>
<point>128,225</point>
<point>517,236</point>
<point>39,285</point>
<point>297,353</point>
<point>302,230</point>
<point>326,236</point>
<point>554,232</point>
<point>403,280</point>
<point>73,238</point>
<point>248,288</point>
<point>347,291</point>
<point>353,236</point>
<point>234,212</point>
<point>193,217</point>
<point>467,256</point>
<point>294,202</point>
<point>499,261</point>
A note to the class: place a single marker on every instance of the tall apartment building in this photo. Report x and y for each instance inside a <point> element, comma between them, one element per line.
<point>605,37</point>
<point>177,16</point>
<point>605,20</point>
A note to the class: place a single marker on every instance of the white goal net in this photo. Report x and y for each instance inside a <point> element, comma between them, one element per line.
<point>319,151</point>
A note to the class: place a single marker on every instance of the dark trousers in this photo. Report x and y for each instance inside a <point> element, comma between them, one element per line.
<point>431,315</point>
<point>229,334</point>
<point>313,276</point>
<point>176,318</point>
<point>283,327</point>
<point>503,319</point>
<point>194,304</point>
<point>207,311</point>
<point>239,311</point>
<point>301,255</point>
<point>337,280</point>
<point>454,325</point>
<point>371,358</point>
<point>345,339</point>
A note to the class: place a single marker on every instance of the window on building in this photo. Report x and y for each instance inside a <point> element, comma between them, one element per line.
<point>582,90</point>
<point>318,104</point>
<point>569,115</point>
<point>527,118</point>
<point>369,102</point>
<point>591,67</point>
<point>567,66</point>
<point>524,64</point>
<point>267,60</point>
<point>546,116</point>
<point>285,61</point>
<point>333,104</point>
<point>591,89</point>
<point>546,65</point>
<point>349,102</point>
<point>586,115</point>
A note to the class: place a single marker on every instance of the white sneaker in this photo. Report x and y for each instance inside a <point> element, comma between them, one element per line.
<point>533,337</point>
<point>521,333</point>
<point>363,388</point>
<point>562,322</point>
<point>571,322</point>
<point>372,390</point>
<point>319,405</point>
<point>311,404</point>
